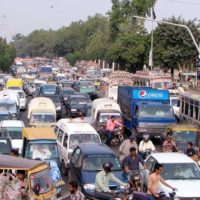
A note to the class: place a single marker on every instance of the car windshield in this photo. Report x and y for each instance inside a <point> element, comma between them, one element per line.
<point>54,98</point>
<point>184,136</point>
<point>42,118</point>
<point>41,179</point>
<point>5,116</point>
<point>181,171</point>
<point>21,95</point>
<point>49,90</point>
<point>15,132</point>
<point>155,111</point>
<point>76,101</point>
<point>43,151</point>
<point>5,146</point>
<point>67,92</point>
<point>104,117</point>
<point>86,83</point>
<point>7,106</point>
<point>95,162</point>
<point>76,139</point>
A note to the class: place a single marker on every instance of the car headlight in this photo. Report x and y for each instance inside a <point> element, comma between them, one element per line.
<point>89,186</point>
<point>73,110</point>
<point>58,108</point>
<point>122,187</point>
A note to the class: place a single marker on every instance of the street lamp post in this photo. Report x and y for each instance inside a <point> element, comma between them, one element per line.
<point>174,24</point>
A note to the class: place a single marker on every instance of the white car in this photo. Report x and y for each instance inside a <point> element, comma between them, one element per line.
<point>70,133</point>
<point>180,172</point>
<point>14,128</point>
<point>22,99</point>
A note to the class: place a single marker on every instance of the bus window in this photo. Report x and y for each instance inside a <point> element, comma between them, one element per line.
<point>183,105</point>
<point>186,108</point>
<point>191,110</point>
<point>196,112</point>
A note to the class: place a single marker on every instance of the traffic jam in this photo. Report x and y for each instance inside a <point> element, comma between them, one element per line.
<point>97,133</point>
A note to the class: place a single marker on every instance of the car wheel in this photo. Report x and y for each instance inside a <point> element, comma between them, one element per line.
<point>63,169</point>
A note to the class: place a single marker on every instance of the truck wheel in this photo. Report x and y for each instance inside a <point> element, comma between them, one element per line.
<point>63,169</point>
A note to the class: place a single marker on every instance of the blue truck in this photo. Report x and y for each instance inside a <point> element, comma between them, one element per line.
<point>145,110</point>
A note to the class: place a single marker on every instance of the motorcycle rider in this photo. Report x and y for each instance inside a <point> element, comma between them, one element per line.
<point>146,144</point>
<point>154,181</point>
<point>124,148</point>
<point>132,163</point>
<point>110,127</point>
<point>102,190</point>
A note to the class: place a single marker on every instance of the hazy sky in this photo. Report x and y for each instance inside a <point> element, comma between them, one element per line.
<point>24,16</point>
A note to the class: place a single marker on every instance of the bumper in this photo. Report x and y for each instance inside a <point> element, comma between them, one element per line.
<point>75,113</point>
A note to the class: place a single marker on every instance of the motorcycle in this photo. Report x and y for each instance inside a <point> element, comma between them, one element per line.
<point>136,181</point>
<point>117,135</point>
<point>146,153</point>
<point>144,196</point>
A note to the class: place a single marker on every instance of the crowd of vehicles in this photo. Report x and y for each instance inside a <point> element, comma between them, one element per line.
<point>65,130</point>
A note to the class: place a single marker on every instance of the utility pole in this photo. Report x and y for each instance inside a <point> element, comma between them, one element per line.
<point>179,25</point>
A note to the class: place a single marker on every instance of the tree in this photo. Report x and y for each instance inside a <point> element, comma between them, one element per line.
<point>129,51</point>
<point>7,55</point>
<point>173,46</point>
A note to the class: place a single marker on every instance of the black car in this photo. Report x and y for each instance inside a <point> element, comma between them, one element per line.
<point>87,160</point>
<point>58,104</point>
<point>75,105</point>
<point>66,92</point>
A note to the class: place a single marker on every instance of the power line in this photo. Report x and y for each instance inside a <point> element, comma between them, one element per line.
<point>184,2</point>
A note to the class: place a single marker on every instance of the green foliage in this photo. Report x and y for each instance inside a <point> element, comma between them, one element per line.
<point>118,38</point>
<point>129,50</point>
<point>7,55</point>
<point>173,46</point>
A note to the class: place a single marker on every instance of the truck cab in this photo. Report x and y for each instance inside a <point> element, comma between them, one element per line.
<point>145,110</point>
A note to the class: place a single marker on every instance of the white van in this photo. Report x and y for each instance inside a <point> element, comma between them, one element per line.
<point>14,128</point>
<point>41,112</point>
<point>22,98</point>
<point>70,133</point>
<point>12,95</point>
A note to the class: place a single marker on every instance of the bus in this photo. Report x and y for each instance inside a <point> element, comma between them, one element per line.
<point>190,106</point>
<point>155,79</point>
<point>85,86</point>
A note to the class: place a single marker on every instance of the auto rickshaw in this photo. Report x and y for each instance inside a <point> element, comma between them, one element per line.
<point>184,133</point>
<point>41,144</point>
<point>39,184</point>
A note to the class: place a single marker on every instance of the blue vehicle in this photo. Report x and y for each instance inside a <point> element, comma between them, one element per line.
<point>145,110</point>
<point>87,160</point>
<point>9,105</point>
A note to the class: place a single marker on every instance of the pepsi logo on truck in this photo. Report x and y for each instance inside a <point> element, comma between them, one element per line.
<point>161,95</point>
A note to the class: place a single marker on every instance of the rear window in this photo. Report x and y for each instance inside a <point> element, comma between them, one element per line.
<point>21,94</point>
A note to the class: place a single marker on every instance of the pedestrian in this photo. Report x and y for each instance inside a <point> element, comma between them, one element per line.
<point>154,181</point>
<point>103,178</point>
<point>112,123</point>
<point>124,148</point>
<point>190,151</point>
<point>169,145</point>
<point>75,194</point>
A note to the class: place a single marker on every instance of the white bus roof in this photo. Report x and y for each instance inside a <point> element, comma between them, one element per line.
<point>74,127</point>
<point>12,123</point>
